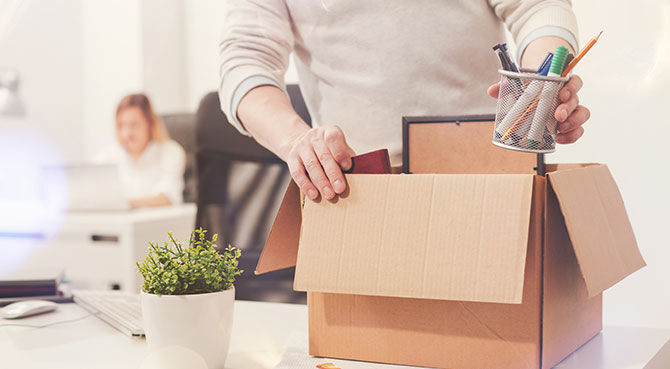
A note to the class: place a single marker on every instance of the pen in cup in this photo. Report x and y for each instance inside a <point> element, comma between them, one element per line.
<point>522,124</point>
<point>544,67</point>
<point>509,59</point>
<point>507,64</point>
<point>503,59</point>
<point>543,114</point>
<point>580,54</point>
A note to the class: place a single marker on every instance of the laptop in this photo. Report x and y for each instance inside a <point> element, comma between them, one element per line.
<point>84,187</point>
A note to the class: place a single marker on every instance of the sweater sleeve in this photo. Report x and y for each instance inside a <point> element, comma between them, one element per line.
<point>528,20</point>
<point>254,47</point>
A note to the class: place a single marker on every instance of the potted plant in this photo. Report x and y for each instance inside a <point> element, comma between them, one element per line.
<point>188,295</point>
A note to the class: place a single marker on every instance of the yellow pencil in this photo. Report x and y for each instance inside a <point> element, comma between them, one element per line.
<point>580,55</point>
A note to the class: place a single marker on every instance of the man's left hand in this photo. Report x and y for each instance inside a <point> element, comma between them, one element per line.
<point>569,114</point>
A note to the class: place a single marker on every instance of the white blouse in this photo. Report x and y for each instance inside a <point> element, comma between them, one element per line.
<point>159,169</point>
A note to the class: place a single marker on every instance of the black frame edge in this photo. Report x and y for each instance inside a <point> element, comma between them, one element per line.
<point>407,120</point>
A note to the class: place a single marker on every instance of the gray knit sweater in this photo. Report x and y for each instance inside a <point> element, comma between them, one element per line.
<point>363,64</point>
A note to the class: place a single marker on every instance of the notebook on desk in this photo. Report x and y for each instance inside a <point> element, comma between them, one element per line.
<point>33,285</point>
<point>30,283</point>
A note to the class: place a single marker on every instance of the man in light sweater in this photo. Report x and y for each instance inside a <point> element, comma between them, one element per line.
<point>363,64</point>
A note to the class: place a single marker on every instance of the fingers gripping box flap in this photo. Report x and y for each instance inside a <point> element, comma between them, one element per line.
<point>598,226</point>
<point>451,237</point>
<point>281,248</point>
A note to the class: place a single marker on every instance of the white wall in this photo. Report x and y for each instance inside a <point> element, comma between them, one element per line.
<point>77,59</point>
<point>112,65</point>
<point>130,46</point>
<point>203,27</point>
<point>625,86</point>
<point>164,58</point>
<point>43,42</point>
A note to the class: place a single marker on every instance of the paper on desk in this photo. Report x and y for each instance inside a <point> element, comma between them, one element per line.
<point>295,356</point>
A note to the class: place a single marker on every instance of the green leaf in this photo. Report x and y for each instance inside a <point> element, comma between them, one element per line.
<point>171,269</point>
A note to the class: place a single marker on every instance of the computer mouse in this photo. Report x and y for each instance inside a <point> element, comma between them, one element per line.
<point>27,308</point>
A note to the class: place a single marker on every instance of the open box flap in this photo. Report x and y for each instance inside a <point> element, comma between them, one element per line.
<point>281,248</point>
<point>599,229</point>
<point>451,237</point>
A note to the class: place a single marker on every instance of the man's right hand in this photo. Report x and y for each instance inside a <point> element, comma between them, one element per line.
<point>315,156</point>
<point>316,159</point>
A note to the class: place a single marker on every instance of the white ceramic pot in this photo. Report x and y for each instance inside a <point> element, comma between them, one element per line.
<point>199,324</point>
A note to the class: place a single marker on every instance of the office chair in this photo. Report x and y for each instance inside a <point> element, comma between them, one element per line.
<point>181,127</point>
<point>240,187</point>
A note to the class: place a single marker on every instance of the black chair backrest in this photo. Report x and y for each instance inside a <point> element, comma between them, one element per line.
<point>240,187</point>
<point>181,127</point>
<point>216,134</point>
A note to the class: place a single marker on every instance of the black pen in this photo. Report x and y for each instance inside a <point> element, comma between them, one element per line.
<point>503,59</point>
<point>516,84</point>
<point>509,59</point>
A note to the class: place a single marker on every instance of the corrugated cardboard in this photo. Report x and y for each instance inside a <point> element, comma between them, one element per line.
<point>599,229</point>
<point>448,237</point>
<point>281,248</point>
<point>403,268</point>
<point>436,333</point>
<point>286,234</point>
<point>569,316</point>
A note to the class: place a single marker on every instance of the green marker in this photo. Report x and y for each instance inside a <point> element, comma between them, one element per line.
<point>558,62</point>
<point>549,91</point>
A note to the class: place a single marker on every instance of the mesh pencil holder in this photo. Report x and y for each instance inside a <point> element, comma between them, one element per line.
<point>525,113</point>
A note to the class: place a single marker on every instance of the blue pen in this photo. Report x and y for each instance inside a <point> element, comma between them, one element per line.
<point>547,61</point>
<point>545,69</point>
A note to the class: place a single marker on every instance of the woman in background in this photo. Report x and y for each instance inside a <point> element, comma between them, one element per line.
<point>151,165</point>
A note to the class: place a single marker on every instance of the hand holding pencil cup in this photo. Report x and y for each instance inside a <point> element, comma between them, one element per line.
<point>527,102</point>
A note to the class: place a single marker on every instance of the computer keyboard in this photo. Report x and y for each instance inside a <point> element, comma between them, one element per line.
<point>119,309</point>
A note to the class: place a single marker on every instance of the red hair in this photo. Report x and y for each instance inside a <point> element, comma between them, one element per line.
<point>157,129</point>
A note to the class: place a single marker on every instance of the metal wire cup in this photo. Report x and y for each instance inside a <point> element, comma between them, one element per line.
<point>525,112</point>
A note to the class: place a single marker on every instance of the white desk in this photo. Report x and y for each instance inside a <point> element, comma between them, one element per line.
<point>260,331</point>
<point>96,249</point>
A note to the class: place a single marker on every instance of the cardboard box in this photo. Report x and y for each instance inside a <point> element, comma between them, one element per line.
<point>457,270</point>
